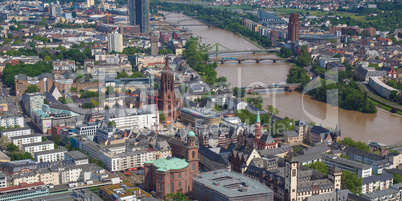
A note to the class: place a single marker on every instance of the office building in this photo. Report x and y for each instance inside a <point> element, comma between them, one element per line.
<point>293,27</point>
<point>23,191</point>
<point>32,101</point>
<point>55,10</point>
<point>78,157</point>
<point>90,3</point>
<point>124,191</point>
<point>222,185</point>
<point>362,170</point>
<point>115,42</point>
<point>138,11</point>
<point>154,45</point>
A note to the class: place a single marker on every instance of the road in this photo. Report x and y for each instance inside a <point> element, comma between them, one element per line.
<point>379,99</point>
<point>13,102</point>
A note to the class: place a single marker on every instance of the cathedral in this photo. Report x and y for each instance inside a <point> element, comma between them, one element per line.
<point>168,99</point>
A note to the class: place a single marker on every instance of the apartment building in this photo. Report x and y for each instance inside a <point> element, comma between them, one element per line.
<point>78,157</point>
<point>14,132</point>
<point>50,155</point>
<point>64,65</point>
<point>377,182</point>
<point>38,146</point>
<point>126,160</point>
<point>11,121</point>
<point>26,139</point>
<point>134,119</point>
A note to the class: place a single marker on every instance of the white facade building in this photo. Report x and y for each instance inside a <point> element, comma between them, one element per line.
<point>26,139</point>
<point>14,132</point>
<point>115,42</point>
<point>8,122</point>
<point>37,147</point>
<point>50,155</point>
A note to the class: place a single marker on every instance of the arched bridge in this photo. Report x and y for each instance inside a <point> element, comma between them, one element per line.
<point>211,52</point>
<point>286,87</point>
<point>241,59</point>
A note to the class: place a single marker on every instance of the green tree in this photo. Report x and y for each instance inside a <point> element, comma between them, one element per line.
<point>73,89</point>
<point>44,139</point>
<point>394,96</point>
<point>222,79</point>
<point>63,100</point>
<point>111,124</point>
<point>355,144</point>
<point>56,139</point>
<point>162,117</point>
<point>74,14</point>
<point>397,178</point>
<point>285,52</point>
<point>319,166</point>
<point>239,92</point>
<point>88,105</point>
<point>179,196</point>
<point>107,107</point>
<point>56,146</point>
<point>12,147</point>
<point>272,110</point>
<point>32,89</point>
<point>351,181</point>
<point>4,140</point>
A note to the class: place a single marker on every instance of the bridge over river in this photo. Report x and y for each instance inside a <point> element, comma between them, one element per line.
<point>241,59</point>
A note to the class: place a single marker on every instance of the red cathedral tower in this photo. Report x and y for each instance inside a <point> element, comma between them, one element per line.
<point>167,101</point>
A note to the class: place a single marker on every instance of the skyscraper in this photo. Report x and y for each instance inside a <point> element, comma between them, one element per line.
<point>115,42</point>
<point>154,45</point>
<point>55,10</point>
<point>293,27</point>
<point>138,11</point>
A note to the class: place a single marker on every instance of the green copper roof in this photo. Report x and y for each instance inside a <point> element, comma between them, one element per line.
<point>258,117</point>
<point>190,134</point>
<point>166,164</point>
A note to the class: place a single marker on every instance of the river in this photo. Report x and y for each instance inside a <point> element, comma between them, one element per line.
<point>382,127</point>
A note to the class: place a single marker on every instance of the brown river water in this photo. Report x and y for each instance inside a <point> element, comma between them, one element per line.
<point>382,127</point>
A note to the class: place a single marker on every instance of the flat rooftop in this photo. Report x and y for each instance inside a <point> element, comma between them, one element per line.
<point>231,184</point>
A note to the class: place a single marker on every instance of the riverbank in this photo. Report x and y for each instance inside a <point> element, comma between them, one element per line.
<point>359,126</point>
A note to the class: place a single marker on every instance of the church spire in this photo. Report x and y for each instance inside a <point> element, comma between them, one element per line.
<point>166,63</point>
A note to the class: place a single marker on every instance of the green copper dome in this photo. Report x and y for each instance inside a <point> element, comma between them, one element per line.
<point>190,134</point>
<point>169,163</point>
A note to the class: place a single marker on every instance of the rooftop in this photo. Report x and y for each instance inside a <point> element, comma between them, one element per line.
<point>231,184</point>
<point>76,155</point>
<point>51,151</point>
<point>169,163</point>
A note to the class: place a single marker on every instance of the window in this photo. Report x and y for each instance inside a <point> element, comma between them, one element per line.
<point>180,184</point>
<point>185,174</point>
<point>160,177</point>
<point>179,175</point>
<point>293,173</point>
<point>160,187</point>
<point>193,154</point>
<point>171,187</point>
<point>185,186</point>
<point>193,167</point>
<point>171,176</point>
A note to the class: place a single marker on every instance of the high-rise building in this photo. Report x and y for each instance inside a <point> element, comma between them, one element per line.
<point>154,45</point>
<point>138,11</point>
<point>293,27</point>
<point>115,42</point>
<point>90,3</point>
<point>55,10</point>
<point>167,101</point>
<point>32,101</point>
